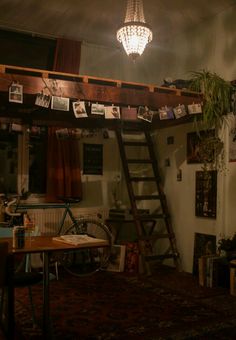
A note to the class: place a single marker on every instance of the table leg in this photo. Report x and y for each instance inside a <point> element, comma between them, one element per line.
<point>10,315</point>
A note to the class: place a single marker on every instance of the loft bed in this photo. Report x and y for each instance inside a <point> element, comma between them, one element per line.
<point>88,89</point>
<point>107,92</point>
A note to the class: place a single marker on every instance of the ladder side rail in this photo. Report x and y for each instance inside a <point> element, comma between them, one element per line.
<point>146,236</point>
<point>163,200</point>
<point>128,182</point>
<point>153,156</point>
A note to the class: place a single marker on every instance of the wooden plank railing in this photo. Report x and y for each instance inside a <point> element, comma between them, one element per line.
<point>88,88</point>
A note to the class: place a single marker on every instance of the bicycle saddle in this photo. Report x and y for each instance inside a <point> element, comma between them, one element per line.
<point>69,199</point>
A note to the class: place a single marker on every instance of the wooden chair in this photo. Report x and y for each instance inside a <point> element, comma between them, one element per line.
<point>7,314</point>
<point>10,281</point>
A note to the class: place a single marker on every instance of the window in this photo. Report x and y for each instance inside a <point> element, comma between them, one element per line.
<point>8,161</point>
<point>37,160</point>
<point>23,158</point>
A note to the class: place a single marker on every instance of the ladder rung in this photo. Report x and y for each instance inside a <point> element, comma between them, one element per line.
<point>151,217</point>
<point>139,161</point>
<point>156,236</point>
<point>151,258</point>
<point>146,197</point>
<point>143,179</point>
<point>146,224</point>
<point>135,143</point>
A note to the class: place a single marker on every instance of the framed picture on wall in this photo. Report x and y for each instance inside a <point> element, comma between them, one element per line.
<point>92,159</point>
<point>206,194</point>
<point>204,244</point>
<point>194,145</point>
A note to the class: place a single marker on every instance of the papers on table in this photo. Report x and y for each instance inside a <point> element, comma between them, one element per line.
<point>83,239</point>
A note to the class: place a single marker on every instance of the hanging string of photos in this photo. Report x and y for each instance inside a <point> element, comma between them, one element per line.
<point>83,109</point>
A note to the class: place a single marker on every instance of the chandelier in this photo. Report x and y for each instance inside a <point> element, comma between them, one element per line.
<point>135,34</point>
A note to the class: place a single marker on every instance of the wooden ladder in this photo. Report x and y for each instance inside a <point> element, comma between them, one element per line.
<point>154,226</point>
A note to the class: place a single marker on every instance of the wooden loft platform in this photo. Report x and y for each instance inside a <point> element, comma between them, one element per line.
<point>89,89</point>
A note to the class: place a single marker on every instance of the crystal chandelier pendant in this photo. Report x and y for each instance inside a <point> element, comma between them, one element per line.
<point>135,34</point>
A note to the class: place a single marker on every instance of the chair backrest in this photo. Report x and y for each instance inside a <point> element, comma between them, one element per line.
<point>3,262</point>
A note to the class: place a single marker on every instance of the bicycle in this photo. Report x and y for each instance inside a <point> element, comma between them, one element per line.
<point>80,262</point>
<point>12,217</point>
<point>85,261</point>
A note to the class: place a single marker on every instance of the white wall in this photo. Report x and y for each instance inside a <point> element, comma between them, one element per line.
<point>211,46</point>
<point>97,189</point>
<point>181,194</point>
<point>104,62</point>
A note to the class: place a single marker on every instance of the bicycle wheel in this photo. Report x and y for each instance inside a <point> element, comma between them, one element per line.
<point>87,261</point>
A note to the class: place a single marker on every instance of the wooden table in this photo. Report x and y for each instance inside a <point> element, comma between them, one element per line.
<point>46,245</point>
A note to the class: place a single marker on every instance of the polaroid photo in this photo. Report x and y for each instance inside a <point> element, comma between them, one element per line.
<point>129,113</point>
<point>145,114</point>
<point>112,112</point>
<point>180,111</point>
<point>79,109</point>
<point>194,108</point>
<point>16,93</point>
<point>166,113</point>
<point>43,100</point>
<point>97,109</point>
<point>60,103</point>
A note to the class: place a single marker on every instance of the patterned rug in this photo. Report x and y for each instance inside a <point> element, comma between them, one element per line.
<point>110,306</point>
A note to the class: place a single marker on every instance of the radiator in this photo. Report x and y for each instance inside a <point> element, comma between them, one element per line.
<point>47,221</point>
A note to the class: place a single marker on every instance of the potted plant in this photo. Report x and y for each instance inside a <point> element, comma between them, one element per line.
<point>211,152</point>
<point>227,246</point>
<point>217,94</point>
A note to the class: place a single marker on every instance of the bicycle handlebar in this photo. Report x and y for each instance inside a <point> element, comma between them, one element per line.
<point>8,207</point>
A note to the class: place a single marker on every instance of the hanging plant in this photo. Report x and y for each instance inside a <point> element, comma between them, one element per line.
<point>217,97</point>
<point>217,102</point>
<point>211,153</point>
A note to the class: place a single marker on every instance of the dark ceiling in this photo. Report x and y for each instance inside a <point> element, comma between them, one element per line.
<point>96,21</point>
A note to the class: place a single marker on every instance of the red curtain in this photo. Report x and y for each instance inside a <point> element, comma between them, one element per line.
<point>63,167</point>
<point>63,164</point>
<point>67,56</point>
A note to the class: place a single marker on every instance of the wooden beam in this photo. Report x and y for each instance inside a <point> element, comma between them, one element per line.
<point>96,93</point>
<point>90,89</point>
<point>28,113</point>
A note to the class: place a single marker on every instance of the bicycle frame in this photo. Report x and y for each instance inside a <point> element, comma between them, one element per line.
<point>66,211</point>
